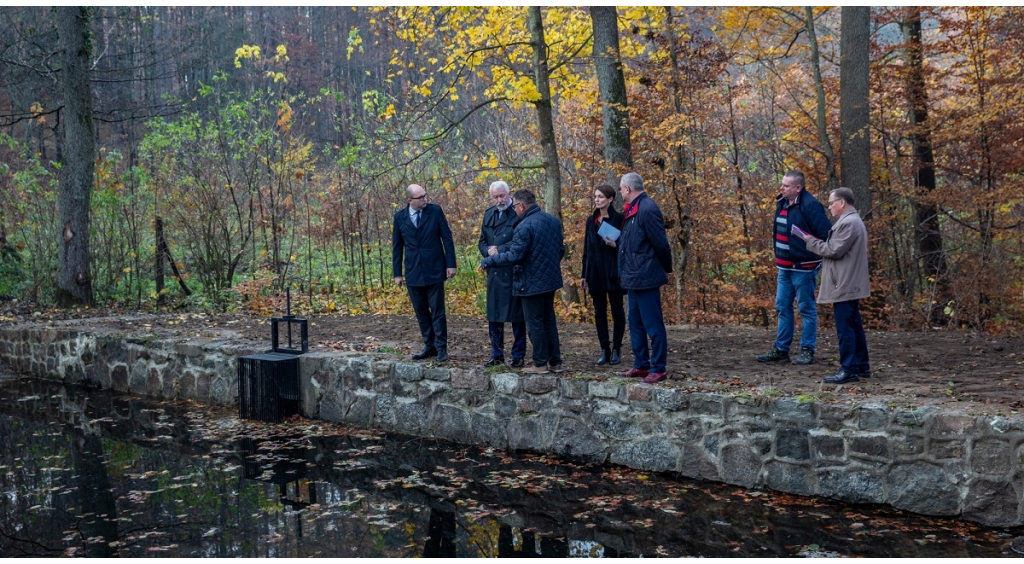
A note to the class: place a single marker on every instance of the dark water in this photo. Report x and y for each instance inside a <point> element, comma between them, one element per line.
<point>87,473</point>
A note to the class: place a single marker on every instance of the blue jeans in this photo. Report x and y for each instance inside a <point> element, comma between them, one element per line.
<point>799,285</point>
<point>853,345</point>
<point>645,320</point>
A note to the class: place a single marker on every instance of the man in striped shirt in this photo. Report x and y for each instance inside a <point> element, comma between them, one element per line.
<point>798,268</point>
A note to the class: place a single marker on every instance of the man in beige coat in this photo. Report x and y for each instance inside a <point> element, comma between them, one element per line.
<point>844,282</point>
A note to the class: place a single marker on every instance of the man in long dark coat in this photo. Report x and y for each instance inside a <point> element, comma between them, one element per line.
<point>502,306</point>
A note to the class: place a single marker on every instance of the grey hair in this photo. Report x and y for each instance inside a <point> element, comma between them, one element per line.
<point>844,194</point>
<point>498,184</point>
<point>633,181</point>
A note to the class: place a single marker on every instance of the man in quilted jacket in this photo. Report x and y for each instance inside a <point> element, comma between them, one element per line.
<point>645,261</point>
<point>535,253</point>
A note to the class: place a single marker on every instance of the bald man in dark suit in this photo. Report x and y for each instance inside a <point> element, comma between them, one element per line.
<point>422,237</point>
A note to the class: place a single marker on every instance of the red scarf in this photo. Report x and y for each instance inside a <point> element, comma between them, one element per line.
<point>629,210</point>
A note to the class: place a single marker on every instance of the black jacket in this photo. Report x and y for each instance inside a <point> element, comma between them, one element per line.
<point>600,262</point>
<point>536,252</point>
<point>807,214</point>
<point>428,249</point>
<point>502,306</point>
<point>645,259</point>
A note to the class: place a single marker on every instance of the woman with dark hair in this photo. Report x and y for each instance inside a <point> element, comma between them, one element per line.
<point>601,274</point>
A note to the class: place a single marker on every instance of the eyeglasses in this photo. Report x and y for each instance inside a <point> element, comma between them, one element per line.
<point>419,197</point>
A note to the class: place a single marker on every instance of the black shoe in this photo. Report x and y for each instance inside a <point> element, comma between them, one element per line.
<point>427,352</point>
<point>806,356</point>
<point>616,357</point>
<point>774,356</point>
<point>604,357</point>
<point>495,361</point>
<point>842,377</point>
<point>517,363</point>
<point>442,354</point>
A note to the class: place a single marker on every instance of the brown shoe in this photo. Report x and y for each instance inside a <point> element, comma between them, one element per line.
<point>634,373</point>
<point>536,370</point>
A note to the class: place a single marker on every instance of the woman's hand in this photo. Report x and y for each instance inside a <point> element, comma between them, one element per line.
<point>583,284</point>
<point>609,242</point>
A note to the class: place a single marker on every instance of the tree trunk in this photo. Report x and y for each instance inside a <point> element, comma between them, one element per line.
<point>826,143</point>
<point>74,283</point>
<point>854,108</point>
<point>612,86</point>
<point>929,237</point>
<point>682,197</point>
<point>545,119</point>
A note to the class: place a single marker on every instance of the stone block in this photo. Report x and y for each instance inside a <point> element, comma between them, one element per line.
<point>671,399</point>
<point>572,389</point>
<point>744,409</point>
<point>539,384</point>
<point>914,418</point>
<point>408,372</point>
<point>707,404</point>
<point>333,406</point>
<point>695,463</point>
<point>873,446</point>
<point>945,449</point>
<point>605,390</point>
<point>739,464</point>
<point>384,411</point>
<point>361,411</point>
<point>437,374</point>
<point>872,418</point>
<point>505,407</point>
<point>410,417</point>
<point>907,445</point>
<point>643,393</point>
<point>791,442</point>
<point>922,488</point>
<point>711,443</point>
<point>762,445</point>
<point>221,393</point>
<point>689,429</point>
<point>614,427</point>
<point>994,504</point>
<point>850,484</point>
<point>119,378</point>
<point>488,431</point>
<point>951,425</point>
<point>505,383</point>
<point>451,423</point>
<point>827,447</point>
<point>757,424</point>
<point>991,456</point>
<point>471,379</point>
<point>575,439</point>
<point>793,409</point>
<point>789,478</point>
<point>528,433</point>
<point>658,455</point>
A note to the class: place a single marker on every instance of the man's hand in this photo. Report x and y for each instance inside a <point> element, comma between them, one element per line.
<point>492,250</point>
<point>398,280</point>
<point>451,272</point>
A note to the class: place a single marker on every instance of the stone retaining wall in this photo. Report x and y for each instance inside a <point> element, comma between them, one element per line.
<point>923,460</point>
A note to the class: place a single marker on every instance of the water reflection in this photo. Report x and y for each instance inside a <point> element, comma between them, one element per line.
<point>92,474</point>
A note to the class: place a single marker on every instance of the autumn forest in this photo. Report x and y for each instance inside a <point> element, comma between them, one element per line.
<point>207,158</point>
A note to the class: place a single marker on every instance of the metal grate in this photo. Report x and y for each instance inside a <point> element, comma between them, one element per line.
<point>268,386</point>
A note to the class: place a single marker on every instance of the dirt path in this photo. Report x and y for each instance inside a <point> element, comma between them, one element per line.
<point>977,373</point>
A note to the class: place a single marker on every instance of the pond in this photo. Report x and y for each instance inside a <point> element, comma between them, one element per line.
<point>90,473</point>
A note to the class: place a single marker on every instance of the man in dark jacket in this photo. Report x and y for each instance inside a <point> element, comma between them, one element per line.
<point>502,306</point>
<point>797,266</point>
<point>645,261</point>
<point>536,252</point>
<point>421,234</point>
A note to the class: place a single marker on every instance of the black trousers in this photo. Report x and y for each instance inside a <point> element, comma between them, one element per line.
<point>539,311</point>
<point>601,301</point>
<point>428,303</point>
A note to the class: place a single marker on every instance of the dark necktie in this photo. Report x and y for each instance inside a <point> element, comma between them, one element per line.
<point>499,215</point>
<point>415,219</point>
